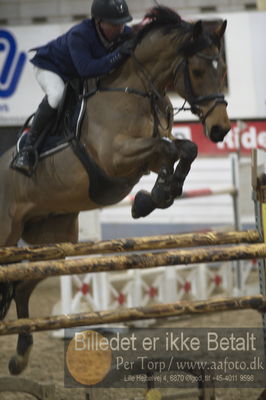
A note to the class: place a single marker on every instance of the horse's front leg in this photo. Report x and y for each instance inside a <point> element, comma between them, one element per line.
<point>131,153</point>
<point>161,195</point>
<point>169,183</point>
<point>188,151</point>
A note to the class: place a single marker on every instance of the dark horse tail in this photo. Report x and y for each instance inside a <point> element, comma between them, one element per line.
<point>6,296</point>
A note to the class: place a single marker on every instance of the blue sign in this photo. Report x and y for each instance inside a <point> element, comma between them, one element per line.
<point>12,66</point>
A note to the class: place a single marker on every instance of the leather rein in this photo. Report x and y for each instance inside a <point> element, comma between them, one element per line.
<point>153,94</point>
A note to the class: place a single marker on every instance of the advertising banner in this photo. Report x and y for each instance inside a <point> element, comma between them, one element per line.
<point>20,94</point>
<point>243,137</point>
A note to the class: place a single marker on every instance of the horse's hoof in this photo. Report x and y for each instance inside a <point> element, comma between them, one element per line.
<point>143,205</point>
<point>16,365</point>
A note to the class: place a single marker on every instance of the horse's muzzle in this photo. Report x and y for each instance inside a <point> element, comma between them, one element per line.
<point>217,133</point>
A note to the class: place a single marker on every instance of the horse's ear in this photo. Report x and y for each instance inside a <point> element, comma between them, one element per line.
<point>197,30</point>
<point>219,32</point>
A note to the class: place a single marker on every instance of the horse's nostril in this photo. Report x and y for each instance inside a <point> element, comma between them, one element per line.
<point>217,134</point>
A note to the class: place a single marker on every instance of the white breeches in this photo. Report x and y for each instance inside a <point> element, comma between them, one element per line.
<point>52,85</point>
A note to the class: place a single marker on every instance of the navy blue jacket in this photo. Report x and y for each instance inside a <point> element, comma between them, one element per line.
<point>78,53</point>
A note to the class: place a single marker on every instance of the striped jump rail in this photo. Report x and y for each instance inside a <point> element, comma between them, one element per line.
<point>44,269</point>
<point>132,314</point>
<point>62,250</point>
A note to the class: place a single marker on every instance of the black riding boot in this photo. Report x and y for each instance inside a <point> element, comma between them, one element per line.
<point>26,159</point>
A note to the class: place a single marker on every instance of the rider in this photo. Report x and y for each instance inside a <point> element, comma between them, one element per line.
<point>85,51</point>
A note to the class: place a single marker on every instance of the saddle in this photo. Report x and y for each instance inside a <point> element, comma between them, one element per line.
<point>66,124</point>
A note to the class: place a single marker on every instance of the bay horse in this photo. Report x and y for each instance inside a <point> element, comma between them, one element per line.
<point>126,131</point>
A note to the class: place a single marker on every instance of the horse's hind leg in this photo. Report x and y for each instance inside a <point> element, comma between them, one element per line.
<point>52,229</point>
<point>10,231</point>
<point>21,292</point>
<point>9,235</point>
<point>22,295</point>
<point>57,228</point>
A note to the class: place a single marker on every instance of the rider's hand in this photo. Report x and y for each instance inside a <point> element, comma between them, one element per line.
<point>127,47</point>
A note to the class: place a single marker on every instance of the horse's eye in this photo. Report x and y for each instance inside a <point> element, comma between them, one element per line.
<point>198,73</point>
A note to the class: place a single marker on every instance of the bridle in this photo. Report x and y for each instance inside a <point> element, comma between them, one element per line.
<point>196,101</point>
<point>155,97</point>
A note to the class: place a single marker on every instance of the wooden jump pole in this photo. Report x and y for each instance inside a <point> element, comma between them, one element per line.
<point>62,250</point>
<point>44,269</point>
<point>131,314</point>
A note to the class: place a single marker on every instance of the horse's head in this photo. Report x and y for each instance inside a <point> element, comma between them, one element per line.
<point>189,57</point>
<point>199,76</point>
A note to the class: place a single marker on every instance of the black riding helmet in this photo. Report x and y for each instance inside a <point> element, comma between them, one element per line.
<point>114,11</point>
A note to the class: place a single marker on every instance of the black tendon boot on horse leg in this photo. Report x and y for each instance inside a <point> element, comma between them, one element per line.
<point>26,160</point>
<point>188,151</point>
<point>169,183</point>
<point>160,196</point>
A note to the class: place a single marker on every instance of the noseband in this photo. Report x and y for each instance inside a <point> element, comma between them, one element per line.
<point>196,101</point>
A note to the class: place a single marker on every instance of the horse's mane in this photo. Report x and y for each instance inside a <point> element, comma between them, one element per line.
<point>160,17</point>
<point>166,19</point>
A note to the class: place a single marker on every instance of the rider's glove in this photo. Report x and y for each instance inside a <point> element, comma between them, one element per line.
<point>123,51</point>
<point>127,47</point>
